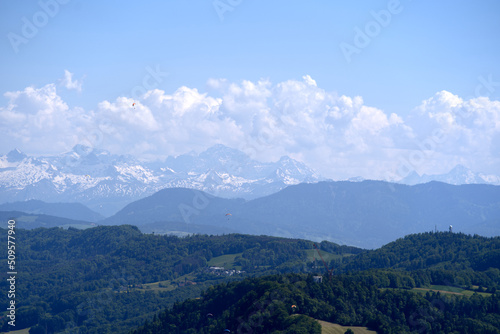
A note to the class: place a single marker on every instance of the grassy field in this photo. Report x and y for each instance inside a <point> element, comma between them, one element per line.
<point>450,290</point>
<point>330,328</point>
<point>312,255</point>
<point>226,261</point>
<point>158,286</point>
<point>167,285</point>
<point>21,331</point>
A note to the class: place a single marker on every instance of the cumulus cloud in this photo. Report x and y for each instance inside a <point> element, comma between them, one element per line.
<point>458,131</point>
<point>69,83</point>
<point>125,112</point>
<point>337,135</point>
<point>298,118</point>
<point>32,100</point>
<point>37,119</point>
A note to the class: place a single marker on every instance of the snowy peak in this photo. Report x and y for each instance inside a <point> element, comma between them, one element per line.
<point>457,175</point>
<point>290,171</point>
<point>94,176</point>
<point>294,167</point>
<point>85,155</point>
<point>82,150</point>
<point>96,163</point>
<point>462,175</point>
<point>231,162</point>
<point>221,152</point>
<point>223,158</point>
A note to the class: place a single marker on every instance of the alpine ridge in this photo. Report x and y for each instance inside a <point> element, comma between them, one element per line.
<point>106,183</point>
<point>364,214</point>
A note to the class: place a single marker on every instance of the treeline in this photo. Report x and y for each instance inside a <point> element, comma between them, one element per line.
<point>94,280</point>
<point>289,303</point>
<point>451,251</point>
<point>370,289</point>
<point>434,258</point>
<point>90,281</point>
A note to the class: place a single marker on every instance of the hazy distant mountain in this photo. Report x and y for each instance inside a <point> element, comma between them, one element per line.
<point>176,205</point>
<point>74,211</point>
<point>106,182</point>
<point>32,220</point>
<point>15,156</point>
<point>367,214</point>
<point>458,175</point>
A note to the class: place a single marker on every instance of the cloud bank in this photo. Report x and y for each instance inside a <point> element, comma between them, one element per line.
<point>337,135</point>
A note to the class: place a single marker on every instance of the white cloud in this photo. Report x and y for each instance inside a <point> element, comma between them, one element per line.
<point>339,136</point>
<point>467,130</point>
<point>69,83</point>
<point>33,101</point>
<point>309,80</point>
<point>127,112</point>
<point>38,120</point>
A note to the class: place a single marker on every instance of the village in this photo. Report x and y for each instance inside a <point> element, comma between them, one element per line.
<point>221,271</point>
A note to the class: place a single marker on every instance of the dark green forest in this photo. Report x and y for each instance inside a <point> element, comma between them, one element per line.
<point>395,289</point>
<point>112,279</point>
<point>264,305</point>
<point>98,280</point>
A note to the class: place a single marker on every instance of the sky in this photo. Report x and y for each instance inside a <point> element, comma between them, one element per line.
<point>351,88</point>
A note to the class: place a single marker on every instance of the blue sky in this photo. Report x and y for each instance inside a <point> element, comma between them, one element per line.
<point>220,50</point>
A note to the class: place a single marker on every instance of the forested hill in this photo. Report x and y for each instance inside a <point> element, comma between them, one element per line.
<point>423,283</point>
<point>290,303</point>
<point>421,260</point>
<point>453,251</point>
<point>112,278</point>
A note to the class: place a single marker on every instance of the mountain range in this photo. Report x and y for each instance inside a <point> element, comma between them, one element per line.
<point>105,182</point>
<point>457,175</point>
<point>365,214</point>
<point>75,211</point>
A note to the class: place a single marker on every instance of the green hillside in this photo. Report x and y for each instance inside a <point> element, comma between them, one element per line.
<point>330,328</point>
<point>290,303</point>
<point>114,278</point>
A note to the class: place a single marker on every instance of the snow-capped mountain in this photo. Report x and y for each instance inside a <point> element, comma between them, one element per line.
<point>457,176</point>
<point>106,182</point>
